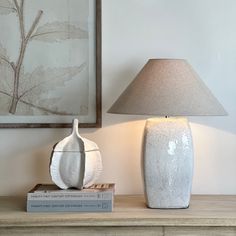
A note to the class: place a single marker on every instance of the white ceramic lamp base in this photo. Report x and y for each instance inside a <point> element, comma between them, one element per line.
<point>167,162</point>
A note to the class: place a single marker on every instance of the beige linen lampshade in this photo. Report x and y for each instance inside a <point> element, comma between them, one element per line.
<point>167,87</point>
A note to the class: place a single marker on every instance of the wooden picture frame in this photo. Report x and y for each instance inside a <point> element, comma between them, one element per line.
<point>44,81</point>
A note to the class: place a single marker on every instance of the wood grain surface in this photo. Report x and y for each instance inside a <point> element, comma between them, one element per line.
<point>207,215</point>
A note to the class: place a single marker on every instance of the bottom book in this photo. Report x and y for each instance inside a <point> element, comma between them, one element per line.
<point>70,206</point>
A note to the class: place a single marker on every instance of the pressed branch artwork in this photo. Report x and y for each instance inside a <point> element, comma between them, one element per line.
<point>42,89</point>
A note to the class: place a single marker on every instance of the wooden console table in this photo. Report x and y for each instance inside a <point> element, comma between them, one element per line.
<point>207,215</point>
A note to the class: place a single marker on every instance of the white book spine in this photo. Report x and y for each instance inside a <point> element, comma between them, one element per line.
<point>70,196</point>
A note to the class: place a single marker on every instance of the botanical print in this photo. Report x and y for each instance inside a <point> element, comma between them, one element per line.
<point>45,57</point>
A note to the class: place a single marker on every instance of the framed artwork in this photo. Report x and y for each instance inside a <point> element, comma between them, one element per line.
<point>50,63</point>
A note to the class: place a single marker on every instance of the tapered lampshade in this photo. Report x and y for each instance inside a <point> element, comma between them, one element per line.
<point>167,87</point>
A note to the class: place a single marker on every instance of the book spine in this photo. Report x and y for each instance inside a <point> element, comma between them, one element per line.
<point>70,206</point>
<point>70,196</point>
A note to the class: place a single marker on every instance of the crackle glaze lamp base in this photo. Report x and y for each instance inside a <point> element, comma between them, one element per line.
<point>167,88</point>
<point>167,162</point>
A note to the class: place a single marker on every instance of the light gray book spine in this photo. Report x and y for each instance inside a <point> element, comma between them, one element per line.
<point>70,196</point>
<point>70,206</point>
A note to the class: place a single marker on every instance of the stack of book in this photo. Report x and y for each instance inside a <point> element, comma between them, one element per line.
<point>50,198</point>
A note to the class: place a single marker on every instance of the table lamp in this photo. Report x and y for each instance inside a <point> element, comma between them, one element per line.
<point>169,89</point>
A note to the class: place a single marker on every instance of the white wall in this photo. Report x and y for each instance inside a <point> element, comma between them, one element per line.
<point>204,33</point>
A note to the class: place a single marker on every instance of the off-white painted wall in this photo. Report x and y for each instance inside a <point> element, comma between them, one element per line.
<point>203,32</point>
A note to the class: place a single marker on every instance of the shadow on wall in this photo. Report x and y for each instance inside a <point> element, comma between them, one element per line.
<point>27,163</point>
<point>225,123</point>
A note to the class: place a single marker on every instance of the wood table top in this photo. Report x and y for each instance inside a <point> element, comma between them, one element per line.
<point>129,210</point>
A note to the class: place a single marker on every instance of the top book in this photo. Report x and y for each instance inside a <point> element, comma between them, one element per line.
<point>51,188</point>
<point>52,192</point>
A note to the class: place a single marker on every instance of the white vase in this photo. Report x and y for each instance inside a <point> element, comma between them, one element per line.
<point>167,162</point>
<point>75,162</point>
